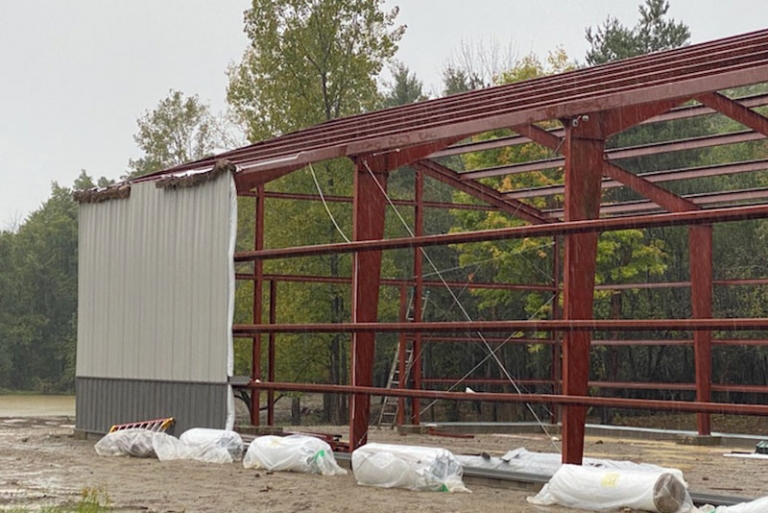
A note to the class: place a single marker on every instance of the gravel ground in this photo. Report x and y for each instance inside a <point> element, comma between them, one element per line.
<point>41,464</point>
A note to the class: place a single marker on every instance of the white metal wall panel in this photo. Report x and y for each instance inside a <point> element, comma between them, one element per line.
<point>156,280</point>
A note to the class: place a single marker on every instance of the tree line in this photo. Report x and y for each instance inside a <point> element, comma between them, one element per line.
<point>314,61</point>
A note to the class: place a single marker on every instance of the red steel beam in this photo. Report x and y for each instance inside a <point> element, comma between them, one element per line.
<point>736,111</point>
<point>584,147</point>
<point>271,353</point>
<point>486,381</point>
<point>729,324</point>
<point>398,283</point>
<point>702,69</point>
<point>700,255</point>
<point>670,175</point>
<point>542,230</point>
<point>623,385</point>
<point>482,192</point>
<point>418,291</point>
<point>683,112</point>
<point>401,360</point>
<point>258,296</point>
<point>564,400</point>
<point>555,361</point>
<point>642,150</point>
<point>682,342</point>
<point>348,199</point>
<point>620,121</point>
<point>709,198</point>
<point>368,223</point>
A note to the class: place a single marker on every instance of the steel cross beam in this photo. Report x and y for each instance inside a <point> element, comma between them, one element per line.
<point>482,192</point>
<point>736,111</point>
<point>650,190</point>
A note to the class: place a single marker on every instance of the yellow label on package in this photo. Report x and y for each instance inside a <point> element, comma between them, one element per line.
<point>609,480</point>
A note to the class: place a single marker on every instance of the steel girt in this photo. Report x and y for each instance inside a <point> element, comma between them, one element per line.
<point>348,199</point>
<point>564,400</point>
<point>729,324</point>
<point>542,230</point>
<point>303,278</point>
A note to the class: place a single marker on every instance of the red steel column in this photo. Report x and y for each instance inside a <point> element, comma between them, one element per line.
<point>418,292</point>
<point>271,353</point>
<point>700,255</point>
<point>258,279</point>
<point>368,207</point>
<point>401,363</point>
<point>584,145</point>
<point>555,373</point>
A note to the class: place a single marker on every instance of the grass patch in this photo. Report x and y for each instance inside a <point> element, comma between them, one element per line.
<point>92,500</point>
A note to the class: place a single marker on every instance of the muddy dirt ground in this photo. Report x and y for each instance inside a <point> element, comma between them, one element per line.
<point>42,464</point>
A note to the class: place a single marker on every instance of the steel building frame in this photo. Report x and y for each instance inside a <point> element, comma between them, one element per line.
<point>592,105</point>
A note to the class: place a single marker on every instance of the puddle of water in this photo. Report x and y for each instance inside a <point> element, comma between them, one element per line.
<point>37,405</point>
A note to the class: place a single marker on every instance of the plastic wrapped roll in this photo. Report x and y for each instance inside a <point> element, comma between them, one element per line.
<point>407,466</point>
<point>215,439</point>
<point>295,453</point>
<point>600,489</point>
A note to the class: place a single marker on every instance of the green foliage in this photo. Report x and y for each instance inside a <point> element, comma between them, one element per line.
<point>310,61</point>
<point>180,129</point>
<point>653,33</point>
<point>524,261</point>
<point>404,89</point>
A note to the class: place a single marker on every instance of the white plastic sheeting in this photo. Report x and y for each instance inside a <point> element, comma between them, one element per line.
<point>213,439</point>
<point>599,489</point>
<point>294,453</point>
<point>547,463</point>
<point>206,445</point>
<point>170,448</point>
<point>410,467</point>
<point>126,442</point>
<point>756,506</point>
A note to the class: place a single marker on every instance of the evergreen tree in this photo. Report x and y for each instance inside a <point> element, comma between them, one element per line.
<point>654,32</point>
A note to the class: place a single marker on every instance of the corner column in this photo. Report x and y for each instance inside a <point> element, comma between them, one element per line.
<point>584,146</point>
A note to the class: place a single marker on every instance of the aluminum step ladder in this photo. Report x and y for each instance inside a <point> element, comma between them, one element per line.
<point>390,405</point>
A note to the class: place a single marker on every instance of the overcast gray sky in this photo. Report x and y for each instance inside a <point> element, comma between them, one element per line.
<point>76,74</point>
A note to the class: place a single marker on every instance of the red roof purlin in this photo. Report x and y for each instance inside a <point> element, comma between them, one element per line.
<point>679,74</point>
